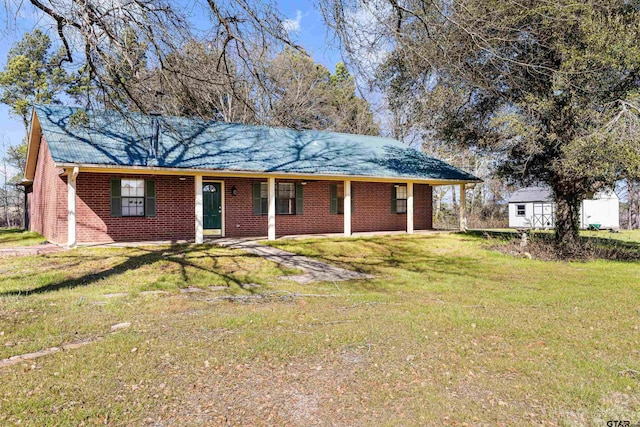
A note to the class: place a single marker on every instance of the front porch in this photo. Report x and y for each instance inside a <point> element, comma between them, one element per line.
<point>198,207</point>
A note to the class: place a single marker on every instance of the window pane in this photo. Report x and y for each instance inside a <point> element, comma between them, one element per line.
<point>132,206</point>
<point>264,190</point>
<point>132,187</point>
<point>340,204</point>
<point>286,190</point>
<point>401,206</point>
<point>340,191</point>
<point>401,192</point>
<point>285,206</point>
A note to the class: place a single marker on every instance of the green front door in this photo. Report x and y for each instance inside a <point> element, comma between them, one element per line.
<point>212,207</point>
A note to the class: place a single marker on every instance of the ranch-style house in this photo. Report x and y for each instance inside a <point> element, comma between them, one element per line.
<point>103,176</point>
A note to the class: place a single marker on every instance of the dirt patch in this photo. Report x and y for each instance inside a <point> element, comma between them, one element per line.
<point>291,394</point>
<point>613,406</point>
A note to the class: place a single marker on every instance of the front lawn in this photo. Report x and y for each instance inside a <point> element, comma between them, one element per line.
<point>448,333</point>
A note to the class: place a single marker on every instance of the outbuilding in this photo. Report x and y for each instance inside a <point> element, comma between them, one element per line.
<point>533,207</point>
<point>104,176</point>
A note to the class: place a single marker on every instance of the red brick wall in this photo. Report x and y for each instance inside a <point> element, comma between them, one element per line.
<point>422,207</point>
<point>372,210</point>
<point>316,218</point>
<point>175,203</point>
<point>175,210</point>
<point>238,210</point>
<point>48,200</point>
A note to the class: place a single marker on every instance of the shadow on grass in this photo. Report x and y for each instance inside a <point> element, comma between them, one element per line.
<point>504,235</point>
<point>175,253</point>
<point>10,235</point>
<point>411,254</point>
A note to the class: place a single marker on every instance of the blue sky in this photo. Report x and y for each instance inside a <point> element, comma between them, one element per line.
<point>304,20</point>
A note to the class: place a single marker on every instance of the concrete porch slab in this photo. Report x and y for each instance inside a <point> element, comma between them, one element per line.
<point>315,271</point>
<point>47,248</point>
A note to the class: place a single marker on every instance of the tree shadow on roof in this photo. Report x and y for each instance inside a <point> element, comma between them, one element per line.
<point>126,140</point>
<point>409,162</point>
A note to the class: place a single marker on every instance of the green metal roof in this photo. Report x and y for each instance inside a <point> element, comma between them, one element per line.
<point>111,138</point>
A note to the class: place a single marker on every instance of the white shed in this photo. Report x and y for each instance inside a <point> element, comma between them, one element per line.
<point>533,207</point>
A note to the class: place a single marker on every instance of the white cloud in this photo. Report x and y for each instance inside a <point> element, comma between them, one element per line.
<point>293,25</point>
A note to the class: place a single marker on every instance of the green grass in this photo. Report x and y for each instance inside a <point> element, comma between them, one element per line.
<point>448,333</point>
<point>12,237</point>
<point>623,235</point>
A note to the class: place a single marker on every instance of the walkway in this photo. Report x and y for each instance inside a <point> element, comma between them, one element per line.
<point>47,248</point>
<point>315,271</point>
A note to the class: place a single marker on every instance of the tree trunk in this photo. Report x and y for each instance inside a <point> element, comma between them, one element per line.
<point>567,221</point>
<point>5,197</point>
<point>633,214</point>
<point>454,201</point>
<point>630,200</point>
<point>438,207</point>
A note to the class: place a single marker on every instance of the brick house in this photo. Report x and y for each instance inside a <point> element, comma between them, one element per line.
<point>115,177</point>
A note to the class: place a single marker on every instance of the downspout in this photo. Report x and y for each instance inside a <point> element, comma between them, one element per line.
<point>71,207</point>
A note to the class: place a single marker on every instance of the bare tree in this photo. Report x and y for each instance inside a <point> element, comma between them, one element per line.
<point>127,48</point>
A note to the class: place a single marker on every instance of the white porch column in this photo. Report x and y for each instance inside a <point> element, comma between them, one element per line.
<point>409,207</point>
<point>199,210</point>
<point>347,207</point>
<point>271,233</point>
<point>463,208</point>
<point>72,174</point>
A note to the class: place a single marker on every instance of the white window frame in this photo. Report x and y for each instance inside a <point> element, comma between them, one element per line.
<point>264,198</point>
<point>399,199</point>
<point>290,204</point>
<point>137,200</point>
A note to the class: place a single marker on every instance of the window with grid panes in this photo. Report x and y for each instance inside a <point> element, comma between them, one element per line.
<point>132,193</point>
<point>401,199</point>
<point>340,193</point>
<point>286,198</point>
